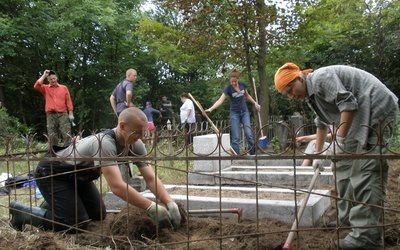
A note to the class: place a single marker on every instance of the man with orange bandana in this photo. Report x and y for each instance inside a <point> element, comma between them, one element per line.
<point>357,104</point>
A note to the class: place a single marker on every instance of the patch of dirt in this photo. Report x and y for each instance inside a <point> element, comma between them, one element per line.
<point>133,229</point>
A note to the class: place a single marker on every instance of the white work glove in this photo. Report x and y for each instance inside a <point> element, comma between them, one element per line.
<point>208,110</point>
<point>175,214</point>
<point>339,146</point>
<point>71,117</point>
<point>159,214</point>
<point>318,164</point>
<point>257,106</point>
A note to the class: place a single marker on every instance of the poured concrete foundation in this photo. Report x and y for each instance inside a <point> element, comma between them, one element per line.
<point>273,176</point>
<point>221,185</point>
<point>280,204</point>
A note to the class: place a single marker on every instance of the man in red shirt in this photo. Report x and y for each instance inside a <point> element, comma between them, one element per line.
<point>58,107</point>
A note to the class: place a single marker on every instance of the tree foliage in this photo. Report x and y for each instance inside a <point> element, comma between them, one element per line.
<point>184,46</point>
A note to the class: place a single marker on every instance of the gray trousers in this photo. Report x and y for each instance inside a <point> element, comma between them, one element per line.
<point>364,181</point>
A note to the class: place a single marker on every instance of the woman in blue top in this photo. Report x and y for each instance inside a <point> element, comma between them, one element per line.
<point>238,113</point>
<point>149,111</point>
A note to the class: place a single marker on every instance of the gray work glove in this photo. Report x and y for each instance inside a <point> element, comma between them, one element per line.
<point>257,106</point>
<point>318,164</point>
<point>175,214</point>
<point>159,214</point>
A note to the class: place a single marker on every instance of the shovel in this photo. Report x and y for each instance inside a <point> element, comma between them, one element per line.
<point>263,140</point>
<point>208,118</point>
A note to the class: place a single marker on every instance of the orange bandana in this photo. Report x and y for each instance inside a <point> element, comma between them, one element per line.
<point>287,73</point>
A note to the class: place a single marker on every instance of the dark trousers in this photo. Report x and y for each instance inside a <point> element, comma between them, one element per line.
<point>74,203</point>
<point>189,129</point>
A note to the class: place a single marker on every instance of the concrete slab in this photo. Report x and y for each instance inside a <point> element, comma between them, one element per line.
<point>247,177</point>
<point>271,162</point>
<point>209,145</point>
<point>274,168</point>
<point>283,210</point>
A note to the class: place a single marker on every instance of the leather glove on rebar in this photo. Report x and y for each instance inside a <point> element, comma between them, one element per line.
<point>159,213</point>
<point>175,214</point>
<point>318,164</point>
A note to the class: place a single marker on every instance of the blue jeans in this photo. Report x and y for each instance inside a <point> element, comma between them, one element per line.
<point>237,118</point>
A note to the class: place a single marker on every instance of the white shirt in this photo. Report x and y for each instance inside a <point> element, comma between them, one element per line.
<point>188,105</point>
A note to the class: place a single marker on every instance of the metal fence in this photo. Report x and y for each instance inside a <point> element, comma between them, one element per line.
<point>170,151</point>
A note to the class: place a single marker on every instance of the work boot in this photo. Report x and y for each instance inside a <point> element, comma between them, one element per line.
<point>44,205</point>
<point>22,215</point>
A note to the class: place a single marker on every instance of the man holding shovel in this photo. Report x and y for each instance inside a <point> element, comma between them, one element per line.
<point>361,108</point>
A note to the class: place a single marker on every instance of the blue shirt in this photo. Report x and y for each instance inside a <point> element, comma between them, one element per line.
<point>149,113</point>
<point>238,99</point>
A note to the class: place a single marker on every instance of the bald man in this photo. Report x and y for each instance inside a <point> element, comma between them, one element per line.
<point>121,98</point>
<point>74,196</point>
<point>357,104</point>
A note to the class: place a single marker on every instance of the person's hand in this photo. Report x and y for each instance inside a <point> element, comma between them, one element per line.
<point>318,164</point>
<point>304,138</point>
<point>339,144</point>
<point>175,214</point>
<point>130,104</point>
<point>257,106</point>
<point>71,117</point>
<point>208,111</point>
<point>159,214</point>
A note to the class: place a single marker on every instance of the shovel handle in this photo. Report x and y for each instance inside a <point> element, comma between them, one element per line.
<point>204,114</point>
<point>289,239</point>
<point>208,119</point>
<point>258,113</point>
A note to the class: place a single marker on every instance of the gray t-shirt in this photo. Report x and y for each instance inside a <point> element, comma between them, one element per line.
<point>120,94</point>
<point>334,89</point>
<point>100,145</point>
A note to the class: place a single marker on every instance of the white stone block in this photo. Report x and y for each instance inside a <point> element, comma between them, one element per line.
<point>208,145</point>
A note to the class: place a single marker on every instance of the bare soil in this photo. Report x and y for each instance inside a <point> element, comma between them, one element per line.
<point>133,229</point>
